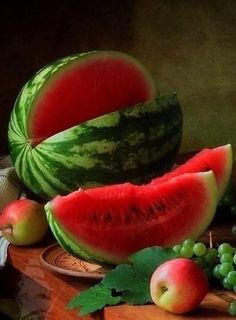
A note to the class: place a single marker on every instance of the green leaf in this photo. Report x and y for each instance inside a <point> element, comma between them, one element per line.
<point>137,297</point>
<point>134,285</point>
<point>121,278</point>
<point>134,279</point>
<point>128,283</point>
<point>93,299</point>
<point>148,259</point>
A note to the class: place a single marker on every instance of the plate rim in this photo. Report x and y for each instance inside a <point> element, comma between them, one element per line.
<point>78,274</point>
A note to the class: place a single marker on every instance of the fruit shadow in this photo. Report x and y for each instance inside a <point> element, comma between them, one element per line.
<point>21,297</point>
<point>215,305</point>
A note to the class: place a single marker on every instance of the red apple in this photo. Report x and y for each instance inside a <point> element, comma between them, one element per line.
<point>23,222</point>
<point>178,285</point>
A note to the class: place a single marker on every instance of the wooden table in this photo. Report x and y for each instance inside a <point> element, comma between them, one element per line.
<point>45,294</point>
<point>39,291</point>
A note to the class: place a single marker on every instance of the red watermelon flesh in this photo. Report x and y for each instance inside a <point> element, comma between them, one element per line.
<point>110,223</point>
<point>219,160</point>
<point>92,85</point>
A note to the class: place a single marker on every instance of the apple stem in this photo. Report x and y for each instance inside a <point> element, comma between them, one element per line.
<point>164,289</point>
<point>7,229</point>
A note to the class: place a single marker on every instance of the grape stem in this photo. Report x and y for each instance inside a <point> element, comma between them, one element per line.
<point>210,240</point>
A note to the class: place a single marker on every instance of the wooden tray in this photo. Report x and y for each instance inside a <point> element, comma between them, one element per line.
<point>58,260</point>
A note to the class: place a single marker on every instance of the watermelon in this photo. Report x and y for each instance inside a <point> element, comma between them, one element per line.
<point>110,223</point>
<point>218,159</point>
<point>89,120</point>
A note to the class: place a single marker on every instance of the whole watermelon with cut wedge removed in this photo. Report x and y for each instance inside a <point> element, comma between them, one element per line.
<point>92,119</point>
<point>110,223</point>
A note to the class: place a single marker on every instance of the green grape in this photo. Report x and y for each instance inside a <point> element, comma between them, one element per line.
<point>208,271</point>
<point>225,248</point>
<point>186,251</point>
<point>199,249</point>
<point>232,308</point>
<point>227,200</point>
<point>234,229</point>
<point>234,258</point>
<point>188,242</point>
<point>225,283</point>
<point>233,210</point>
<point>177,248</point>
<point>201,261</point>
<point>211,255</point>
<point>216,272</point>
<point>226,257</point>
<point>231,277</point>
<point>234,289</point>
<point>225,268</point>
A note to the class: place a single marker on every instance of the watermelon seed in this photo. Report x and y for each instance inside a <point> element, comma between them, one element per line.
<point>159,207</point>
<point>106,217</point>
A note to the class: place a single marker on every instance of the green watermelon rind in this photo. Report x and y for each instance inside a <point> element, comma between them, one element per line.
<point>141,140</point>
<point>69,244</point>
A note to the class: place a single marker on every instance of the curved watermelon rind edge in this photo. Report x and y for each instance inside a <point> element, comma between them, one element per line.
<point>137,111</point>
<point>228,169</point>
<point>68,244</point>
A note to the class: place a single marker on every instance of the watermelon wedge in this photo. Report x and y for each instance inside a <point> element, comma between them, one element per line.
<point>219,160</point>
<point>110,223</point>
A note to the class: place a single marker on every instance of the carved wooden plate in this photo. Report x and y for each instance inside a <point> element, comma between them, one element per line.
<point>56,259</point>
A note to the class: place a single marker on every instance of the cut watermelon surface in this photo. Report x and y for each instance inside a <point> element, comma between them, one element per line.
<point>219,160</point>
<point>86,87</point>
<point>110,223</point>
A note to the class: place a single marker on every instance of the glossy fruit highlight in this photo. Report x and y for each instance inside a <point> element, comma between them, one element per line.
<point>23,222</point>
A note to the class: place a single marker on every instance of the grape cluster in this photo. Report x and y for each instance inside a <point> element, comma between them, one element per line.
<point>200,253</point>
<point>218,263</point>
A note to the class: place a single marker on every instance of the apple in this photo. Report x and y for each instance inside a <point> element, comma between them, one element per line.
<point>178,285</point>
<point>23,222</point>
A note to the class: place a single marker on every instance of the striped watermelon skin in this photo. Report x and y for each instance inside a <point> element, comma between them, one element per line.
<point>133,144</point>
<point>25,100</point>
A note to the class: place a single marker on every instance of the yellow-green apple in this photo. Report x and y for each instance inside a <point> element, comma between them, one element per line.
<point>23,222</point>
<point>178,285</point>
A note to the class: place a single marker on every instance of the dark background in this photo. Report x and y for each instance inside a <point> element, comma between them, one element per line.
<point>190,46</point>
